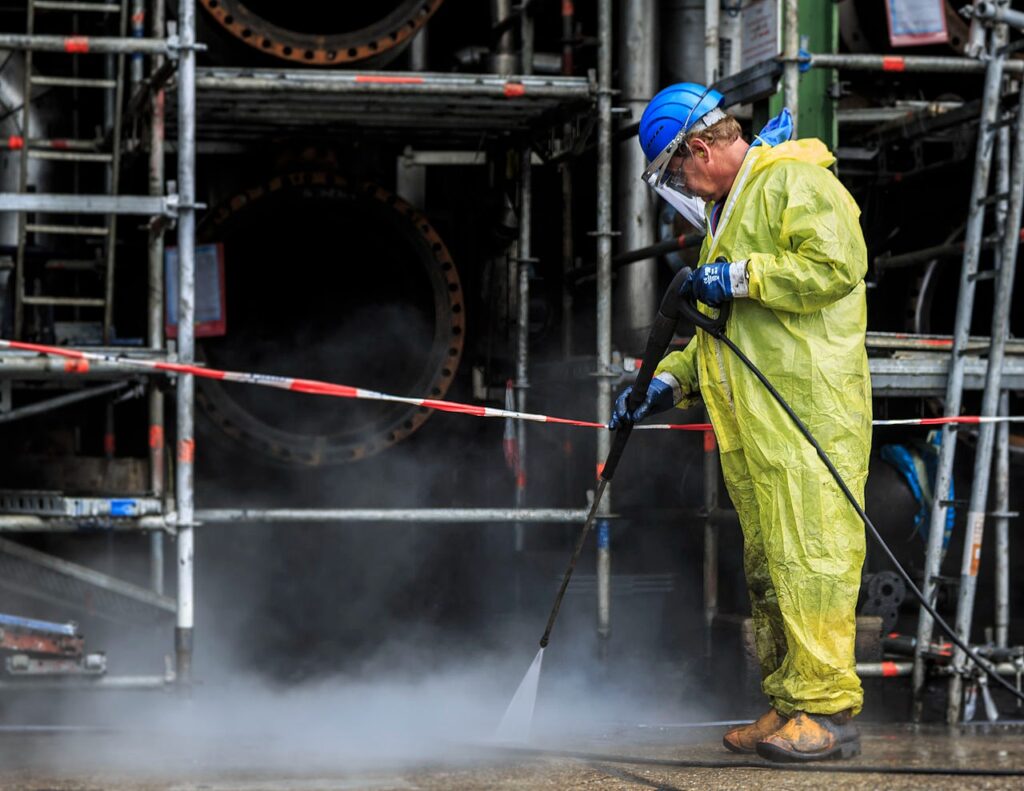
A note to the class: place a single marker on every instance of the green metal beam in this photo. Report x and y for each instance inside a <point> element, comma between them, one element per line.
<point>819,32</point>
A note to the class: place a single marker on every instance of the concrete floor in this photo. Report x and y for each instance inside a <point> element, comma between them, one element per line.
<point>644,759</point>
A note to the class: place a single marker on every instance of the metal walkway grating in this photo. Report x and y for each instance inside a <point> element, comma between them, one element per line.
<point>256,102</point>
<point>42,576</point>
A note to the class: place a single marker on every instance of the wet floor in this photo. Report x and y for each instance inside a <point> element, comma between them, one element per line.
<point>622,757</point>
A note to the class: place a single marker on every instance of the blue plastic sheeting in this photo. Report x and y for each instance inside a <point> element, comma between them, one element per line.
<point>17,622</point>
<point>917,463</point>
<point>123,508</point>
<point>778,130</point>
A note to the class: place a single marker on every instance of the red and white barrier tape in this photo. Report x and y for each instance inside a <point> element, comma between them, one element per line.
<point>939,421</point>
<point>78,362</point>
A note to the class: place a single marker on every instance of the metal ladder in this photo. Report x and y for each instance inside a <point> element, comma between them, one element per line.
<point>1007,200</point>
<point>106,151</point>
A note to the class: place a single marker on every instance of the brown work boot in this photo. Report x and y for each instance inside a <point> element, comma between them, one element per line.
<point>745,738</point>
<point>812,737</point>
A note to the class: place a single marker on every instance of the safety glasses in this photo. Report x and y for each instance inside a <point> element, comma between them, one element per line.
<point>675,175</point>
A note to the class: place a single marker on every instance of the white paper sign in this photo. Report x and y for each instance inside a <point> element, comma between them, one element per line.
<point>760,32</point>
<point>916,22</point>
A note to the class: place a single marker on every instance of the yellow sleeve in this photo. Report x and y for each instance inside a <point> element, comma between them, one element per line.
<point>683,366</point>
<point>819,252</point>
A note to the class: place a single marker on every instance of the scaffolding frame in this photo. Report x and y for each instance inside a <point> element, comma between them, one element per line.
<point>230,98</point>
<point>511,106</point>
<point>162,207</point>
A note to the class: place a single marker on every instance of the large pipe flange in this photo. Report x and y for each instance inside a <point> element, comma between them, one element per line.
<point>331,34</point>
<point>338,281</point>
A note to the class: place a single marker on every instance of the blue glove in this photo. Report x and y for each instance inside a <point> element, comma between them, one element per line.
<point>716,283</point>
<point>659,398</point>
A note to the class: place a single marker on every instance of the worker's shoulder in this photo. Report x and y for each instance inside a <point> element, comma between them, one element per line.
<point>789,183</point>
<point>792,177</point>
<point>797,170</point>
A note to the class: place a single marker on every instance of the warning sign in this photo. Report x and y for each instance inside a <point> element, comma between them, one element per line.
<point>210,304</point>
<point>761,26</point>
<point>975,533</point>
<point>916,22</point>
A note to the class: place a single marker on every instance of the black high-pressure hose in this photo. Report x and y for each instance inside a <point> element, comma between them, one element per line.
<point>672,308</point>
<point>716,328</point>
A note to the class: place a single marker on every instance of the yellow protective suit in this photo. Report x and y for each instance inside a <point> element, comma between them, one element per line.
<point>803,325</point>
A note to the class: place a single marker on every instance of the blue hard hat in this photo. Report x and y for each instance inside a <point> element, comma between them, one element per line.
<point>677,107</point>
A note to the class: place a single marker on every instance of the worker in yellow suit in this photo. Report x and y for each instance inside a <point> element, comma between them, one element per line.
<point>784,245</point>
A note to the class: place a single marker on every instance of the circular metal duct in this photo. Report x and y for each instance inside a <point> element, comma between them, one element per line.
<point>323,34</point>
<point>329,280</point>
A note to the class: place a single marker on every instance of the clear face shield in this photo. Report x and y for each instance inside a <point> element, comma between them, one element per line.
<point>666,169</point>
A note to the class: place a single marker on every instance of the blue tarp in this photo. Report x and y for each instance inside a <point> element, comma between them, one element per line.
<point>917,462</point>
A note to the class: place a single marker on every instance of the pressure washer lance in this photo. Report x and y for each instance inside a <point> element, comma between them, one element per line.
<point>516,723</point>
<point>662,330</point>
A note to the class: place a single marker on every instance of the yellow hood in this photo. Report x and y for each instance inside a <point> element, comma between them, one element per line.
<point>810,150</point>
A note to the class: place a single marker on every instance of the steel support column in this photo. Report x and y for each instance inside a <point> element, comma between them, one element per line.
<point>712,45</point>
<point>1001,522</point>
<point>604,281</point>
<point>817,29</point>
<point>184,471</point>
<point>955,377</point>
<point>636,292</point>
<point>155,300</point>
<point>989,408</point>
<point>711,472</point>
<point>522,340</point>
<point>791,69</point>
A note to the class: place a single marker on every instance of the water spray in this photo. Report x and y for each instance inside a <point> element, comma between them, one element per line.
<point>515,724</point>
